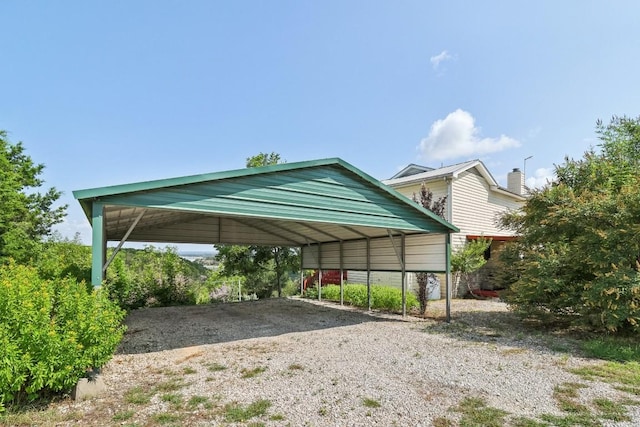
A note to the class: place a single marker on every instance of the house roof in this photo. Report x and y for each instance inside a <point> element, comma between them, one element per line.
<point>452,171</point>
<point>287,204</point>
<point>411,169</point>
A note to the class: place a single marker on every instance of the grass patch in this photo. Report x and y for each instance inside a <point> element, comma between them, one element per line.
<point>623,376</point>
<point>565,394</point>
<point>370,403</point>
<point>123,415</point>
<point>527,422</point>
<point>613,348</point>
<point>250,373</point>
<point>277,417</point>
<point>475,412</point>
<point>296,367</point>
<point>238,413</point>
<point>39,413</point>
<point>166,418</point>
<point>173,398</point>
<point>196,401</point>
<point>611,410</point>
<point>188,370</point>
<point>572,420</point>
<point>216,367</point>
<point>171,385</point>
<point>443,422</point>
<point>138,396</point>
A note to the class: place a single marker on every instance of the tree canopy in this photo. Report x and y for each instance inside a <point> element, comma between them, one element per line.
<point>26,215</point>
<point>580,236</point>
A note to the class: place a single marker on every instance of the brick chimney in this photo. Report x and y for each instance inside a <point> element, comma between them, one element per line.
<point>515,182</point>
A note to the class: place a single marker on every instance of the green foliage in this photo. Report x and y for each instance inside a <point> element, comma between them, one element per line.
<point>467,260</point>
<point>264,159</point>
<point>511,267</point>
<point>291,288</point>
<point>51,333</point>
<point>382,297</point>
<point>156,277</point>
<point>370,403</point>
<point>61,258</point>
<point>475,412</point>
<point>26,216</point>
<point>623,376</point>
<point>613,348</point>
<point>238,413</point>
<point>580,237</point>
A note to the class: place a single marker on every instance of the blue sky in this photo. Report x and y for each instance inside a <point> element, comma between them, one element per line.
<point>110,92</point>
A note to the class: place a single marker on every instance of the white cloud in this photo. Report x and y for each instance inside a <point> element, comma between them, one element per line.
<point>540,178</point>
<point>441,57</point>
<point>456,136</point>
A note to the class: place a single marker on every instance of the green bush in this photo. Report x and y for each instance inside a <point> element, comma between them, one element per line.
<point>155,277</point>
<point>382,297</point>
<point>51,333</point>
<point>60,258</point>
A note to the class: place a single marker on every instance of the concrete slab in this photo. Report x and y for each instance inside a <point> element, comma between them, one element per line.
<point>87,388</point>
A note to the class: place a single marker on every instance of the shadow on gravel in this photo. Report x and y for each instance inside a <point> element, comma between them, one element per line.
<point>506,329</point>
<point>167,328</point>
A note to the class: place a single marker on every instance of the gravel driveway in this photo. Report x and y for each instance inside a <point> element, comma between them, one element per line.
<point>318,364</point>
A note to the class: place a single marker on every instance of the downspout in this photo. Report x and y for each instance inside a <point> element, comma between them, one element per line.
<point>449,211</point>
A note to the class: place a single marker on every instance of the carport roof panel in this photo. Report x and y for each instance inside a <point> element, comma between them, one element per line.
<point>319,191</point>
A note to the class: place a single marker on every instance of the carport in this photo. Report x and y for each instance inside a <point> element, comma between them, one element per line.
<point>340,217</point>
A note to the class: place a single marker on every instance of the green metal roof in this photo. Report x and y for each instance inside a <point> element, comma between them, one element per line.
<point>286,204</point>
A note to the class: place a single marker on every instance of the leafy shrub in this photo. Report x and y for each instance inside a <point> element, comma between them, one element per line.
<point>51,333</point>
<point>382,297</point>
<point>578,238</point>
<point>60,258</point>
<point>155,277</point>
<point>290,288</point>
<point>357,295</point>
<point>199,294</point>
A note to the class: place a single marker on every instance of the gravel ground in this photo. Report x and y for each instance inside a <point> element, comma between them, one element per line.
<point>317,363</point>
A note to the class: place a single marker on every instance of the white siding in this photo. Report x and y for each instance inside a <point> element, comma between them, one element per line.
<point>476,207</point>
<point>423,252</point>
<point>438,188</point>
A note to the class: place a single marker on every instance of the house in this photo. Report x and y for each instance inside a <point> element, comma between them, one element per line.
<point>474,202</point>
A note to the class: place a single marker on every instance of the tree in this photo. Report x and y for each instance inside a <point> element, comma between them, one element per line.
<point>264,267</point>
<point>467,260</point>
<point>580,237</point>
<point>428,281</point>
<point>26,216</point>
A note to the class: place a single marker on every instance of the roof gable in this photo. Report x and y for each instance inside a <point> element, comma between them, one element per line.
<point>284,196</point>
<point>453,171</point>
<point>411,169</point>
